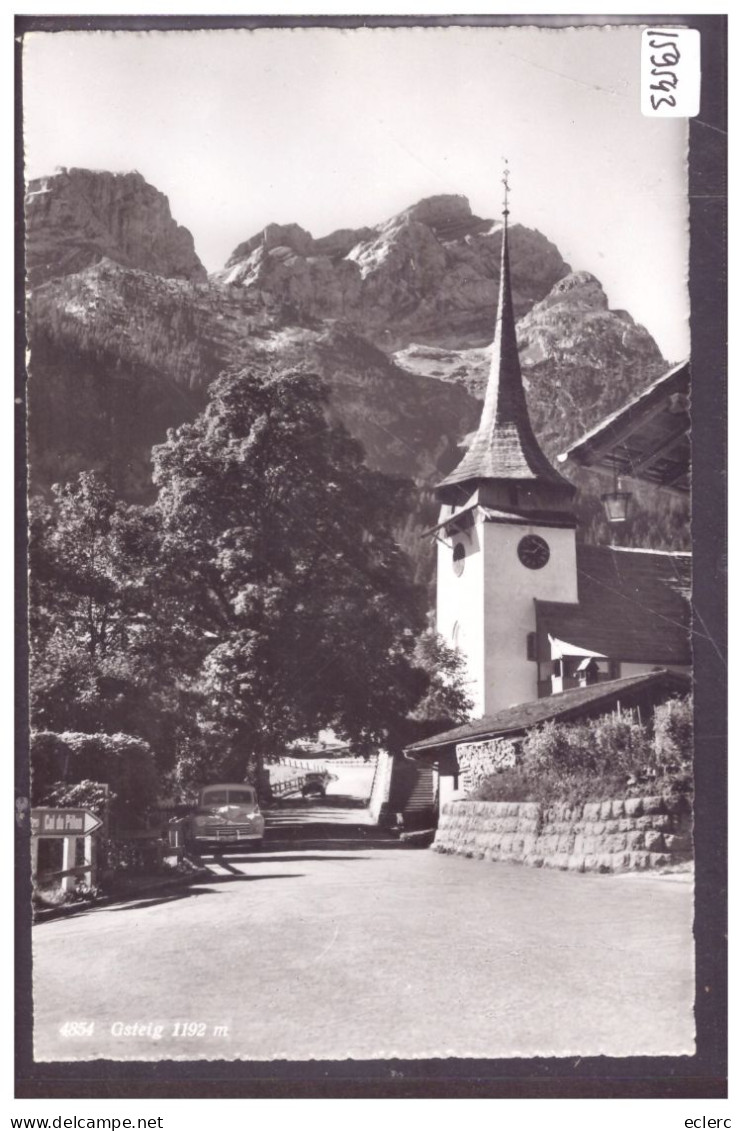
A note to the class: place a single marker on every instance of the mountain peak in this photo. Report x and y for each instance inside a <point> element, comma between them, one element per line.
<point>428,274</point>
<point>76,217</point>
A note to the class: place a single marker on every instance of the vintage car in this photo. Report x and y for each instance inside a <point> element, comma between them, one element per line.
<point>227,813</point>
<point>315,783</point>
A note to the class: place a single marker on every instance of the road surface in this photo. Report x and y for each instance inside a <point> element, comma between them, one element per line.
<point>333,942</point>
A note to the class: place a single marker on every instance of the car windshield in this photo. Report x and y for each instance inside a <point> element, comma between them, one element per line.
<point>241,797</point>
<point>215,797</point>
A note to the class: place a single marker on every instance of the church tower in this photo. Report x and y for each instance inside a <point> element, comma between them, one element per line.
<point>506,533</point>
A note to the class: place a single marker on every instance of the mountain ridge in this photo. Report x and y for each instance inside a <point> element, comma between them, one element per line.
<point>396,319</point>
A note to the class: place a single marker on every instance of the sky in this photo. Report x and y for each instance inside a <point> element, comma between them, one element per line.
<point>333,128</point>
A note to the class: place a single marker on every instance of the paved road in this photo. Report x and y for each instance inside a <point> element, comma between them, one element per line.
<point>348,781</point>
<point>335,943</point>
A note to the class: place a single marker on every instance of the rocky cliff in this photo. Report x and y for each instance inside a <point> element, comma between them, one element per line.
<point>119,356</point>
<point>126,331</point>
<point>77,217</point>
<point>580,360</point>
<point>429,274</point>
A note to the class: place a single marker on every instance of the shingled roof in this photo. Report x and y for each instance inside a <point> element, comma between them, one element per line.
<point>634,605</point>
<point>581,702</point>
<point>504,446</point>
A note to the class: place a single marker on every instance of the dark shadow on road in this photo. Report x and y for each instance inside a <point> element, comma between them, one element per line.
<point>201,887</point>
<point>306,841</point>
<point>329,801</point>
<point>240,877</point>
<point>284,859</point>
<point>165,897</point>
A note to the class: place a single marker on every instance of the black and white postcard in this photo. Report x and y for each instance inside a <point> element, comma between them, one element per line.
<point>366,372</point>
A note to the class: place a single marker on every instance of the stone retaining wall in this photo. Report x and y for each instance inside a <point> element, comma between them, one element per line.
<point>603,836</point>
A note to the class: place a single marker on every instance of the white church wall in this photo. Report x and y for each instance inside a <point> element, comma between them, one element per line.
<point>509,614</point>
<point>449,789</point>
<point>460,607</point>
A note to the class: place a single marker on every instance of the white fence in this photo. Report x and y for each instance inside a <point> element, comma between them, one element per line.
<point>325,761</point>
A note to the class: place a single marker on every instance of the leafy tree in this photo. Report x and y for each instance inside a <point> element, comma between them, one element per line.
<point>278,545</point>
<point>446,701</point>
<point>98,652</point>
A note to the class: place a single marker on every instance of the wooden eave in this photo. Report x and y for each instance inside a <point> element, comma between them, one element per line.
<point>648,439</point>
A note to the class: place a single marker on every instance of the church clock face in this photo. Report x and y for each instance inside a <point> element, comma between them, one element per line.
<point>533,551</point>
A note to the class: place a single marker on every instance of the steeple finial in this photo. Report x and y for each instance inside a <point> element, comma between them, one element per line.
<point>506,191</point>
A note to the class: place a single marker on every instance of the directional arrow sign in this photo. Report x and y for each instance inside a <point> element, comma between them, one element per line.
<point>63,822</point>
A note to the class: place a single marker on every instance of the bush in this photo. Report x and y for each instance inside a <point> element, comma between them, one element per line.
<point>71,764</point>
<point>551,785</point>
<point>132,856</point>
<point>613,756</point>
<point>673,731</point>
<point>92,795</point>
<point>613,743</point>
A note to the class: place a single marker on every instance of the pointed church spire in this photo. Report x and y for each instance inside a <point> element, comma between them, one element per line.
<point>504,446</point>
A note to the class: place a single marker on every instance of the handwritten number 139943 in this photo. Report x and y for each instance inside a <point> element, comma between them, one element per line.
<point>662,67</point>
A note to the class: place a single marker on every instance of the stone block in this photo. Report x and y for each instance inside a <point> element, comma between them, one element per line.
<point>633,806</point>
<point>659,859</point>
<point>680,844</point>
<point>635,839</point>
<point>576,863</point>
<point>678,804</point>
<point>617,808</point>
<point>659,822</point>
<point>639,860</point>
<point>591,811</point>
<point>605,810</point>
<point>654,805</point>
<point>654,841</point>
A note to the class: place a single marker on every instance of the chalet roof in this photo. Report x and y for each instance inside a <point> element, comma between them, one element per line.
<point>593,700</point>
<point>648,438</point>
<point>504,446</point>
<point>634,605</point>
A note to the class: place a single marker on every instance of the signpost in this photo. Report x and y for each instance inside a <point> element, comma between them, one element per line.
<point>70,824</point>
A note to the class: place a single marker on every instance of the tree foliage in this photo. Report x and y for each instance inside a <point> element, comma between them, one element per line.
<point>279,541</point>
<point>70,768</point>
<point>100,655</point>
